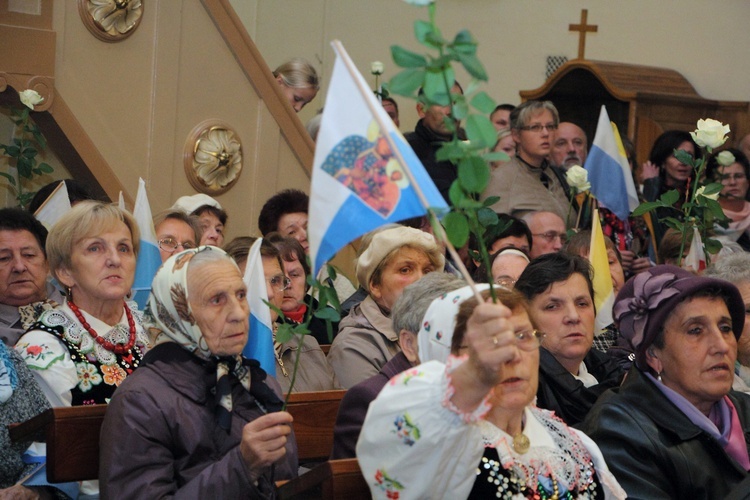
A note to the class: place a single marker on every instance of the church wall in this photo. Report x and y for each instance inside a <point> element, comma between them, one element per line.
<point>704,41</point>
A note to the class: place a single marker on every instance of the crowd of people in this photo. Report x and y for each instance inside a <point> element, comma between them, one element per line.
<point>449,393</point>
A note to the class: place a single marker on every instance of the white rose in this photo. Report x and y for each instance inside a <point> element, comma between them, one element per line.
<point>419,3</point>
<point>578,178</point>
<point>725,158</point>
<point>710,133</point>
<point>30,98</point>
<point>699,192</point>
<point>376,68</point>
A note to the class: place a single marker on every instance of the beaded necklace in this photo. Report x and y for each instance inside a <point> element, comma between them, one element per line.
<point>106,344</point>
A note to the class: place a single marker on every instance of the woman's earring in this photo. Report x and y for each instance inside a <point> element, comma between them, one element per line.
<point>69,293</point>
<point>658,376</point>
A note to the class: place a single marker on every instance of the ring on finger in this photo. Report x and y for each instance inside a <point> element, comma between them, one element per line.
<point>495,341</point>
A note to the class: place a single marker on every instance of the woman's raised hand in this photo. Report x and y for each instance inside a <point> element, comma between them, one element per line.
<point>491,341</point>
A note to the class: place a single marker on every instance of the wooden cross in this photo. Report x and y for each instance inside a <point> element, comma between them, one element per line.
<point>582,29</point>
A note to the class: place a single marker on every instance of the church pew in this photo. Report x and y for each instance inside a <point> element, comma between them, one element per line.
<point>72,434</point>
<point>314,416</point>
<point>334,479</point>
<point>72,437</point>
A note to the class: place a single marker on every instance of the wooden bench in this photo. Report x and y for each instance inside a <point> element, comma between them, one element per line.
<point>72,437</point>
<point>72,434</point>
<point>334,479</point>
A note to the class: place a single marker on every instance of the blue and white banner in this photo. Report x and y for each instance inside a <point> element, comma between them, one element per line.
<point>149,258</point>
<point>609,170</point>
<point>363,168</point>
<point>260,339</point>
<point>54,207</point>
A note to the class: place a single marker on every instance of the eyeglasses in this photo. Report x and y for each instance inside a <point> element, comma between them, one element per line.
<point>529,340</point>
<point>279,282</point>
<point>538,127</point>
<point>551,236</point>
<point>505,281</point>
<point>171,244</point>
<point>736,177</point>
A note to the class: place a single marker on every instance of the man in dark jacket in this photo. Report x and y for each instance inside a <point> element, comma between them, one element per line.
<point>407,317</point>
<point>431,131</point>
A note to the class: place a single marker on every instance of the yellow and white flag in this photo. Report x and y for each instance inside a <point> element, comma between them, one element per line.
<point>604,294</point>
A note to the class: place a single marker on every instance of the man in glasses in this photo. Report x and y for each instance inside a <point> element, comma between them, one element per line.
<point>528,182</point>
<point>548,232</point>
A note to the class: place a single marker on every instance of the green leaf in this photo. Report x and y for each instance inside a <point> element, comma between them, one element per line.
<point>670,197</point>
<point>460,108</point>
<point>457,228</point>
<point>487,217</point>
<point>474,174</point>
<point>480,131</point>
<point>469,204</point>
<point>684,157</point>
<point>715,209</point>
<point>464,43</point>
<point>29,153</point>
<point>473,66</point>
<point>490,200</point>
<point>327,313</point>
<point>10,178</point>
<point>456,194</point>
<point>12,151</point>
<point>23,166</point>
<point>496,156</point>
<point>450,151</point>
<point>407,82</point>
<point>712,246</point>
<point>713,188</point>
<point>424,33</point>
<point>301,329</point>
<point>40,139</point>
<point>483,103</point>
<point>645,207</point>
<point>437,85</point>
<point>46,168</point>
<point>675,224</point>
<point>406,58</point>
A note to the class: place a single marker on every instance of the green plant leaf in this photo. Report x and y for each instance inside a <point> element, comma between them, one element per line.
<point>450,151</point>
<point>10,178</point>
<point>487,217</point>
<point>460,108</point>
<point>46,168</point>
<point>684,157</point>
<point>645,207</point>
<point>464,43</point>
<point>23,165</point>
<point>456,194</point>
<point>713,188</point>
<point>457,228</point>
<point>715,209</point>
<point>473,66</point>
<point>435,87</point>
<point>406,58</point>
<point>670,197</point>
<point>480,131</point>
<point>407,82</point>
<point>496,156</point>
<point>424,33</point>
<point>675,224</point>
<point>483,103</point>
<point>39,139</point>
<point>29,153</point>
<point>712,246</point>
<point>327,313</point>
<point>301,329</point>
<point>12,151</point>
<point>490,200</point>
<point>474,174</point>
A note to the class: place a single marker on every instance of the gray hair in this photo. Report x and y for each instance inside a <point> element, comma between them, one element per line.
<point>520,116</point>
<point>734,268</point>
<point>410,308</point>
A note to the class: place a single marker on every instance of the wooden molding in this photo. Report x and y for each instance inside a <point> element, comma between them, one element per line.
<point>261,77</point>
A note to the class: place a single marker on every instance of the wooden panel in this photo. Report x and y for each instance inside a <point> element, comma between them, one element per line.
<point>314,417</point>
<point>29,51</point>
<point>335,479</point>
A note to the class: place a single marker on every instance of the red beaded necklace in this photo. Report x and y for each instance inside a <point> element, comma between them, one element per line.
<point>116,348</point>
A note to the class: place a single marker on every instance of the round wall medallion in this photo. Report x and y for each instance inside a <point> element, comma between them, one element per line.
<point>213,157</point>
<point>111,20</point>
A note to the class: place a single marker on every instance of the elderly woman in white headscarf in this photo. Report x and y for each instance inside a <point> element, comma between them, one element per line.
<point>468,428</point>
<point>198,420</point>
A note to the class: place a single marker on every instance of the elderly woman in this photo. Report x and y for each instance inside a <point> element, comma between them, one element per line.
<point>314,372</point>
<point>675,429</point>
<point>211,217</point>
<point>24,289</point>
<point>734,178</point>
<point>296,299</point>
<point>298,81</point>
<point>80,352</point>
<point>735,268</point>
<point>468,429</point>
<point>396,257</point>
<point>572,375</point>
<point>199,420</point>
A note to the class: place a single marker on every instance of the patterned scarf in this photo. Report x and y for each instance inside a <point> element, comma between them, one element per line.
<point>8,375</point>
<point>170,318</point>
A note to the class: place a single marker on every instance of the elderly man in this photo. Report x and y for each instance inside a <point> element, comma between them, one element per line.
<point>24,289</point>
<point>407,315</point>
<point>548,232</point>
<point>430,132</point>
<point>527,182</point>
<point>570,146</point>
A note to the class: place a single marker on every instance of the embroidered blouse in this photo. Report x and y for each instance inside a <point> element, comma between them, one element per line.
<point>71,368</point>
<point>416,444</point>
